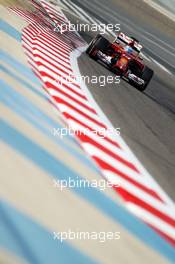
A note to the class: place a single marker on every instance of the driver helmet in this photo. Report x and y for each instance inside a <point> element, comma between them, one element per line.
<point>128,49</point>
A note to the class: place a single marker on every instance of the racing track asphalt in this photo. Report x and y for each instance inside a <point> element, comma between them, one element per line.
<point>147,120</point>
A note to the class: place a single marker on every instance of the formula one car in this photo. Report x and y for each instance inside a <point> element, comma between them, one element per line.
<point>122,57</point>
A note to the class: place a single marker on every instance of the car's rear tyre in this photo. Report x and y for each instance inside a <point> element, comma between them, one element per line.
<point>133,38</point>
<point>91,44</point>
<point>98,43</point>
<point>146,75</point>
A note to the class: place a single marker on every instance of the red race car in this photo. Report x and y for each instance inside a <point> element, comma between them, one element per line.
<point>123,58</point>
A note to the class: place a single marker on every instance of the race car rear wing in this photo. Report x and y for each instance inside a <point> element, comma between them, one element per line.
<point>121,37</point>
